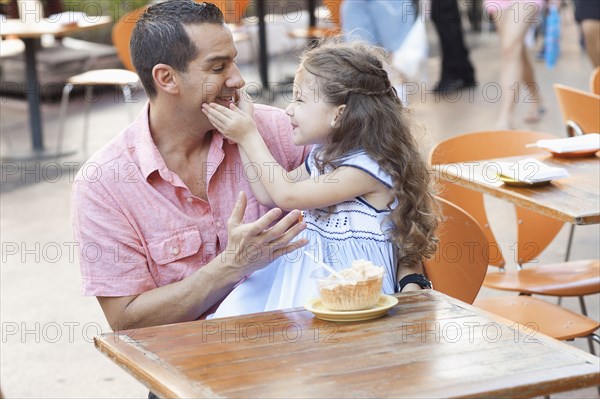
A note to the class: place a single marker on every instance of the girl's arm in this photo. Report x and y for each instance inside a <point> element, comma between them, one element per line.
<point>294,190</point>
<point>252,174</point>
<point>251,169</point>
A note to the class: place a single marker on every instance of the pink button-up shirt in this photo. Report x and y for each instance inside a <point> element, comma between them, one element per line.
<point>137,224</point>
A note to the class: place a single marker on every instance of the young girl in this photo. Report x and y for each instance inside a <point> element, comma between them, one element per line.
<point>364,187</point>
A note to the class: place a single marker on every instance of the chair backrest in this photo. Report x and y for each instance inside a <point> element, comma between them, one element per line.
<point>595,81</point>
<point>121,33</point>
<point>531,240</point>
<point>334,10</point>
<point>579,110</point>
<point>459,265</point>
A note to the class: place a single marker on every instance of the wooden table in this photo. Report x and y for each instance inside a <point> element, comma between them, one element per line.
<point>429,345</point>
<point>575,199</point>
<point>30,33</point>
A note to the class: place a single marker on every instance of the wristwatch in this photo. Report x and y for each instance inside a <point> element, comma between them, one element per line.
<point>415,278</point>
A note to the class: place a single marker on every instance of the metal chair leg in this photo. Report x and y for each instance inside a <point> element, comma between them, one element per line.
<point>591,338</point>
<point>64,103</point>
<point>86,119</point>
<point>582,305</point>
<point>127,97</point>
<point>570,243</point>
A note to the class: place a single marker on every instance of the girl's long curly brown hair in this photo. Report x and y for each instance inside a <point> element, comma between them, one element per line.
<point>375,121</point>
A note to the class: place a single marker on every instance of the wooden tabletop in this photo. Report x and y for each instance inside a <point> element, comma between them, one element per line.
<point>428,345</point>
<point>25,30</point>
<point>575,199</point>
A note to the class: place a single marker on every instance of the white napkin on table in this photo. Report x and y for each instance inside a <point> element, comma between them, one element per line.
<point>530,170</point>
<point>585,142</point>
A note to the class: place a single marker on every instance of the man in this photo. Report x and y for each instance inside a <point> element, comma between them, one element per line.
<point>164,228</point>
<point>457,70</point>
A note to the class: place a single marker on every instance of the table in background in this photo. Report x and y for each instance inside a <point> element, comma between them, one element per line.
<point>429,345</point>
<point>30,33</point>
<point>575,199</point>
<point>263,56</point>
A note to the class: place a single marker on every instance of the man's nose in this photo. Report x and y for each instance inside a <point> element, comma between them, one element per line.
<point>235,79</point>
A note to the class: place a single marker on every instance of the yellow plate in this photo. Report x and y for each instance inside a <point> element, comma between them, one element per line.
<point>385,303</point>
<point>516,183</point>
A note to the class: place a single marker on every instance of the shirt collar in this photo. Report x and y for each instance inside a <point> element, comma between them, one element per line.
<point>150,159</point>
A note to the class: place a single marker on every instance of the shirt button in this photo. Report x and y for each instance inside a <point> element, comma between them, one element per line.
<point>218,223</point>
<point>190,199</point>
<point>175,250</point>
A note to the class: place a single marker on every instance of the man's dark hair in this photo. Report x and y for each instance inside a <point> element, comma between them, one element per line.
<point>160,38</point>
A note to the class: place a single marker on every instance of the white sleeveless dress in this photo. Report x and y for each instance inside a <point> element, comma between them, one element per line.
<point>353,230</point>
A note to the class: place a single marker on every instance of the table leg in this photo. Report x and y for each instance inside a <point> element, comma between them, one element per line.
<point>33,95</point>
<point>262,45</point>
<point>311,13</point>
<point>262,39</point>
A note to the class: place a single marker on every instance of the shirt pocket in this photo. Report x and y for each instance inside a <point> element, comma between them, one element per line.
<point>175,245</point>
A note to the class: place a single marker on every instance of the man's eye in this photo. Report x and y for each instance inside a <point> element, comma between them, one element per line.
<point>220,68</point>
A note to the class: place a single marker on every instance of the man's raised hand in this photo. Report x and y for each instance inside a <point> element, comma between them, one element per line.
<point>252,246</point>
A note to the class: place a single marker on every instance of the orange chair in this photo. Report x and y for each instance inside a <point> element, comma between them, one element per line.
<point>579,110</point>
<point>561,279</point>
<point>125,79</point>
<point>595,81</point>
<point>458,269</point>
<point>462,264</point>
<point>315,33</point>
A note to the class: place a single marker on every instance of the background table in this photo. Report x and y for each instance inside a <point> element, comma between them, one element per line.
<point>575,199</point>
<point>263,56</point>
<point>30,33</point>
<point>429,345</point>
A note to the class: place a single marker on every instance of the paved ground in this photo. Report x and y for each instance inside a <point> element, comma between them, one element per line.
<point>47,327</point>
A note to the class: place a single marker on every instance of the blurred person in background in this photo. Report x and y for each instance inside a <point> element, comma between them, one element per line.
<point>513,19</point>
<point>457,71</point>
<point>384,23</point>
<point>587,13</point>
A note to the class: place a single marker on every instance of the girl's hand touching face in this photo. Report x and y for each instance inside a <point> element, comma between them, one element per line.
<point>235,123</point>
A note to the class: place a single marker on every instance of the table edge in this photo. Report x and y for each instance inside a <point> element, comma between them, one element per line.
<point>117,346</point>
<point>447,174</point>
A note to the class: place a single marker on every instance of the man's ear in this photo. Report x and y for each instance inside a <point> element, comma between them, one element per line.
<point>164,78</point>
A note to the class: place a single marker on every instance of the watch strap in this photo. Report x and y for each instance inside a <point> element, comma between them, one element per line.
<point>419,279</point>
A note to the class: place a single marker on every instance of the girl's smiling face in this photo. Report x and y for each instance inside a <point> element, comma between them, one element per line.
<point>312,117</point>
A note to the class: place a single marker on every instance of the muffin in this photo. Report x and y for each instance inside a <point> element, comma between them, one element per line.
<point>360,288</point>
